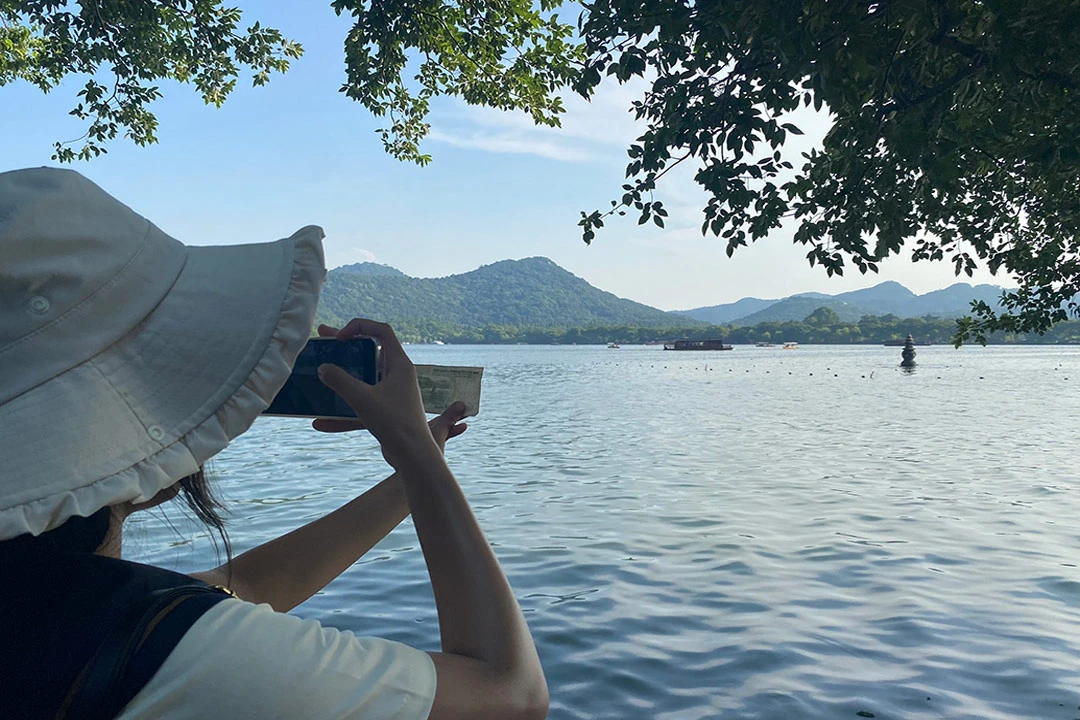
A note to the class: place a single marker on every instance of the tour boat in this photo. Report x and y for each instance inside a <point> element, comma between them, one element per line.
<point>697,345</point>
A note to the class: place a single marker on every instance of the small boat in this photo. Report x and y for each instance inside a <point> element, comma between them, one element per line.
<point>697,345</point>
<point>613,346</point>
<point>437,342</point>
<point>791,346</point>
<point>764,344</point>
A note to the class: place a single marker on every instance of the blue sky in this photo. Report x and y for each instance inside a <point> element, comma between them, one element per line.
<point>297,152</point>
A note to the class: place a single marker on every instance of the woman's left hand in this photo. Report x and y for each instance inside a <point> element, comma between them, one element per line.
<point>442,428</point>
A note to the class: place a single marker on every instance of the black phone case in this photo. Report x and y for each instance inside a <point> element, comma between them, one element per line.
<point>304,395</point>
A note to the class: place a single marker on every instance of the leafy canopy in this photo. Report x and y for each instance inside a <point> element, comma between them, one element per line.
<point>506,54</point>
<point>955,131</point>
<point>122,48</point>
<point>956,123</point>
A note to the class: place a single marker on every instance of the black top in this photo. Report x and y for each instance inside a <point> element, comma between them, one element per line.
<point>81,634</point>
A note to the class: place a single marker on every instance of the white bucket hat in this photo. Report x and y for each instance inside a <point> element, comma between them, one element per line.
<point>128,359</point>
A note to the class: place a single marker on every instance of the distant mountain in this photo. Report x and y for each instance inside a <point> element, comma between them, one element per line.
<point>887,298</point>
<point>370,269</point>
<point>942,302</point>
<point>720,314</point>
<point>533,292</point>
<point>797,308</point>
<point>883,299</point>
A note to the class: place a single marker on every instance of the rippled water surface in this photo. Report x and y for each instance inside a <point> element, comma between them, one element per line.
<point>750,534</point>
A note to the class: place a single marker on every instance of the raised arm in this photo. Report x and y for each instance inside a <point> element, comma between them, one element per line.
<point>488,667</point>
<point>288,570</point>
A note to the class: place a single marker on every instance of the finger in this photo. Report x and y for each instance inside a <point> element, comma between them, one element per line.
<point>382,332</point>
<point>442,426</point>
<point>457,430</point>
<point>332,425</point>
<point>447,418</point>
<point>453,413</point>
<point>351,390</point>
<point>327,331</point>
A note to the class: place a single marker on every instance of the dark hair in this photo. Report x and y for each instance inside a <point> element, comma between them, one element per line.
<point>86,534</point>
<point>202,502</point>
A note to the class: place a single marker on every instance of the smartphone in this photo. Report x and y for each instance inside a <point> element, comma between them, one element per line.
<point>304,395</point>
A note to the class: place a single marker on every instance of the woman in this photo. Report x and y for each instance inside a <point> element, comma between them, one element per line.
<point>127,360</point>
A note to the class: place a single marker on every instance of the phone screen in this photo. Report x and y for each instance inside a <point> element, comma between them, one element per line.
<point>304,395</point>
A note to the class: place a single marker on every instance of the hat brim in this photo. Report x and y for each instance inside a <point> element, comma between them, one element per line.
<point>173,392</point>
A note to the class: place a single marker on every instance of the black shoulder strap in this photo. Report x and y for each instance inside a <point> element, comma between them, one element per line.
<point>135,649</point>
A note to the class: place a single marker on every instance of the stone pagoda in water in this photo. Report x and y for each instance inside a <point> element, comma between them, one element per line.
<point>908,353</point>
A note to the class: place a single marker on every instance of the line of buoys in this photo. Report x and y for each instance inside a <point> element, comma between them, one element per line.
<point>790,372</point>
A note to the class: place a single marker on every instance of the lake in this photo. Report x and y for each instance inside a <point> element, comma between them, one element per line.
<point>759,533</point>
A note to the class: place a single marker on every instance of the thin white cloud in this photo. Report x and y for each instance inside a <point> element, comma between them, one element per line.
<point>591,131</point>
<point>513,143</point>
<point>597,130</point>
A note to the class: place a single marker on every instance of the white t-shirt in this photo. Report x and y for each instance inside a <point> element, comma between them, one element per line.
<point>241,660</point>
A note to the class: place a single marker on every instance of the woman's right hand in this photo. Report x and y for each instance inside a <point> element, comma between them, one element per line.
<point>391,409</point>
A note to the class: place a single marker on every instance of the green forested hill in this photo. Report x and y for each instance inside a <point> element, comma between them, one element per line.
<point>534,292</point>
<point>370,268</point>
